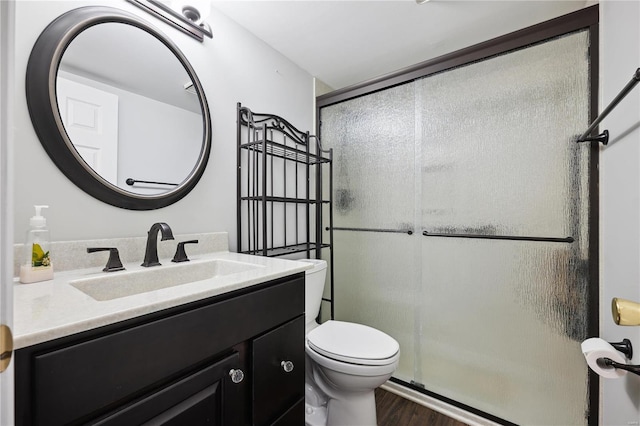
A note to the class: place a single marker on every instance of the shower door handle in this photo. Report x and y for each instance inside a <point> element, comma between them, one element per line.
<point>499,237</point>
<point>392,231</point>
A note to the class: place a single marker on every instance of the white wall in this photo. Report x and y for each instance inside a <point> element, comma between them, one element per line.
<point>619,197</point>
<point>233,67</point>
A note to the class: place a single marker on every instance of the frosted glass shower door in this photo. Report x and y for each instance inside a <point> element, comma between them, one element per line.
<point>488,295</point>
<point>502,319</point>
<point>376,268</point>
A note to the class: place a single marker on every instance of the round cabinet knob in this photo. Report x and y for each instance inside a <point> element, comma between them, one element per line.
<point>236,375</point>
<point>287,366</point>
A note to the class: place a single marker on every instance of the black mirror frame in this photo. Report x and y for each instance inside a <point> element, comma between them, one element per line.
<point>42,103</point>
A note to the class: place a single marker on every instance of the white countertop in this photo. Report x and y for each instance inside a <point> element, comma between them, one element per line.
<point>49,310</point>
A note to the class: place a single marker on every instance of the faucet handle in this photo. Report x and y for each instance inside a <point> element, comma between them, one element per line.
<point>181,255</point>
<point>114,263</point>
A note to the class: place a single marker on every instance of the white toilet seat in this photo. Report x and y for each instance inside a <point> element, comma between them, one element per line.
<point>353,343</point>
<point>353,348</point>
<point>352,369</point>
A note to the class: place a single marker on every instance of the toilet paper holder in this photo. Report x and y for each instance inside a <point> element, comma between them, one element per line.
<point>608,362</point>
<point>626,348</point>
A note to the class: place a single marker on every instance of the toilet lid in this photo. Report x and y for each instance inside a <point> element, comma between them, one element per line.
<point>353,343</point>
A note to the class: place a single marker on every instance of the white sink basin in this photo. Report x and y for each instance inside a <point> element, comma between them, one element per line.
<point>122,284</point>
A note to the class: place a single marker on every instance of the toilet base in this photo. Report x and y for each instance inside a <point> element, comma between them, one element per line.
<point>357,409</point>
<point>315,416</point>
<point>329,405</point>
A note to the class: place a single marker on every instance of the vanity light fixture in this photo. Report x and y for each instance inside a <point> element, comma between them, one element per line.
<point>421,1</point>
<point>186,15</point>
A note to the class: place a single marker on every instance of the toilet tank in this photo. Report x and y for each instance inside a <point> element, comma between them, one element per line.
<point>314,287</point>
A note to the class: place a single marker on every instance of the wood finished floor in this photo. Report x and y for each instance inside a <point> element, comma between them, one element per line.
<point>393,410</point>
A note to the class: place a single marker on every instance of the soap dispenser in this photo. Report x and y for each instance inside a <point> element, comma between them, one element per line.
<point>37,264</point>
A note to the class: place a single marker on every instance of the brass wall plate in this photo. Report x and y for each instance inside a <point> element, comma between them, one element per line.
<point>6,347</point>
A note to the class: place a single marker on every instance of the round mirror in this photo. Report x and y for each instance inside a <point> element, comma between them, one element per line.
<point>118,108</point>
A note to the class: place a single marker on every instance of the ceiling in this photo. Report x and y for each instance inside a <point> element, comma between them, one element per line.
<point>345,42</point>
<point>146,67</point>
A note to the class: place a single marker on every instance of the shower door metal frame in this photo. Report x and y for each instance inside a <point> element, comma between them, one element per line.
<point>584,19</point>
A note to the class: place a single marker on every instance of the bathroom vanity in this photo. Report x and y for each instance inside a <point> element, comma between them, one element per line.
<point>216,340</point>
<point>222,350</point>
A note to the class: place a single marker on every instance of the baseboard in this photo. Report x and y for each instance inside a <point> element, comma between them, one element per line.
<point>436,405</point>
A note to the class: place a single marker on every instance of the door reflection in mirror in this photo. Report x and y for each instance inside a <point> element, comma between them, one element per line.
<point>90,118</point>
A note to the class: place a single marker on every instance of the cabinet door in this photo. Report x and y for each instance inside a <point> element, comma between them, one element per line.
<point>277,386</point>
<point>197,399</point>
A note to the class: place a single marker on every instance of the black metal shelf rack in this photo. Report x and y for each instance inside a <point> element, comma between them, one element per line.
<point>279,211</point>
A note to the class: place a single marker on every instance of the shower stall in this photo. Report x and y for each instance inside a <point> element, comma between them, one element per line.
<point>465,221</point>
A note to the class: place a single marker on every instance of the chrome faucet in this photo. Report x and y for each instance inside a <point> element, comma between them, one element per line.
<point>151,253</point>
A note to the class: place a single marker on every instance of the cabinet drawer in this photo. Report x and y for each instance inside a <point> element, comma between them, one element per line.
<point>274,389</point>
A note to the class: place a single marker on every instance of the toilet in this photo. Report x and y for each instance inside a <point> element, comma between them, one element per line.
<point>345,362</point>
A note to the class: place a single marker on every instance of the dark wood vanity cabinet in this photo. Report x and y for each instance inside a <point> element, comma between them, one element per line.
<point>176,367</point>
